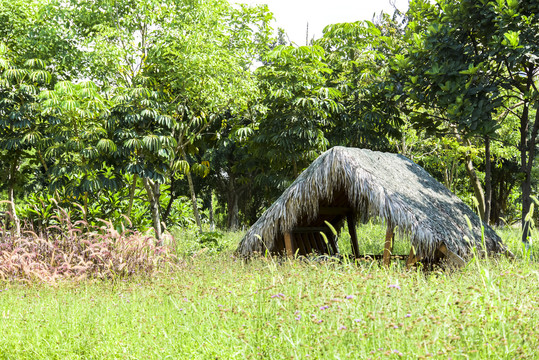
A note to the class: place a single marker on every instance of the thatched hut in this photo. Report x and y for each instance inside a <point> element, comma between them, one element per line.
<point>348,184</point>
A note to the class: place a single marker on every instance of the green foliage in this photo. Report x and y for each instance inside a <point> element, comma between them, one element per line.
<point>77,136</point>
<point>38,212</point>
<point>470,64</point>
<point>361,55</point>
<point>143,134</point>
<point>211,239</point>
<point>449,78</point>
<point>298,104</point>
<point>111,107</point>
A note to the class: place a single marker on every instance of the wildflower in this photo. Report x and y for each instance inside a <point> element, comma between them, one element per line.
<point>342,328</point>
<point>357,320</point>
<point>298,318</point>
<point>324,307</point>
<point>396,286</point>
<point>349,297</point>
<point>408,315</point>
<point>279,295</point>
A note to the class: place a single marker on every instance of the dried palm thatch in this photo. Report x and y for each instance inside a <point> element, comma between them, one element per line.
<point>370,183</point>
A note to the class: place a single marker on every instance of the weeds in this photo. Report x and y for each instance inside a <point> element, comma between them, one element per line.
<point>78,250</point>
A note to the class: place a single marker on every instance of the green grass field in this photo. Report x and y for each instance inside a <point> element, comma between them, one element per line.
<point>217,307</point>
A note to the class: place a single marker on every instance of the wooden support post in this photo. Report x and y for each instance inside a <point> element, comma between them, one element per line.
<point>288,243</point>
<point>412,258</point>
<point>351,219</point>
<point>388,247</point>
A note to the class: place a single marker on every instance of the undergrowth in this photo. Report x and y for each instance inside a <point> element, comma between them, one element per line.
<point>78,250</point>
<point>217,307</point>
<point>193,299</point>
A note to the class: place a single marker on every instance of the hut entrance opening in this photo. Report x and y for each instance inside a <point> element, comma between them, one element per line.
<point>324,240</point>
<point>320,235</point>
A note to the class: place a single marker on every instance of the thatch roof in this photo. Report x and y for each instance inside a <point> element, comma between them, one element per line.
<point>370,183</point>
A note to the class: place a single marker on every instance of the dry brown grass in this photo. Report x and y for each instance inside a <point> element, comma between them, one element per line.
<point>78,251</point>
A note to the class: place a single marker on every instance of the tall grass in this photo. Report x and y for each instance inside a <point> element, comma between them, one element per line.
<point>219,307</point>
<point>77,251</point>
<point>216,306</point>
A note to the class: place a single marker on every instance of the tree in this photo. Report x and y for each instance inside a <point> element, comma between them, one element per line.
<point>298,104</point>
<point>213,54</point>
<point>21,126</point>
<point>33,40</point>
<point>77,138</point>
<point>360,56</point>
<point>467,60</point>
<point>144,143</point>
<point>172,67</point>
<point>450,94</point>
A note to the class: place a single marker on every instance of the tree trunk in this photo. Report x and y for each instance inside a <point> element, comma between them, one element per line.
<point>526,182</point>
<point>232,205</point>
<point>193,194</point>
<point>85,214</point>
<point>474,180</point>
<point>488,180</point>
<point>527,155</point>
<point>42,160</point>
<point>212,218</point>
<point>153,191</point>
<point>477,187</point>
<point>503,181</point>
<point>170,201</point>
<point>11,197</point>
<point>526,205</point>
<point>132,195</point>
<point>449,175</point>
